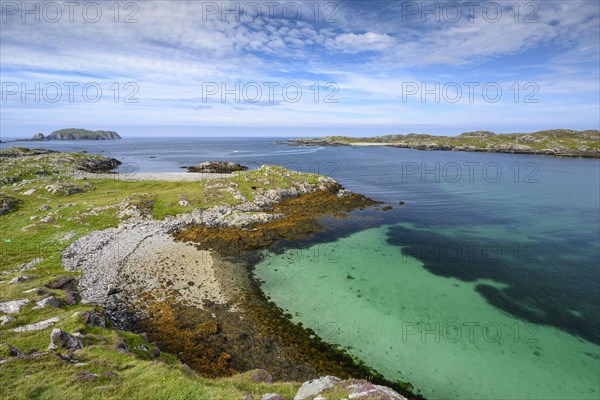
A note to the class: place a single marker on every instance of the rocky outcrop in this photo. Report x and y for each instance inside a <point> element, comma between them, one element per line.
<point>322,388</point>
<point>217,167</point>
<point>13,307</point>
<point>60,339</point>
<point>7,204</point>
<point>82,134</point>
<point>38,326</point>
<point>556,142</point>
<point>38,137</point>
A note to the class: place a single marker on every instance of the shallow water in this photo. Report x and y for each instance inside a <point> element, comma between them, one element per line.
<point>484,285</point>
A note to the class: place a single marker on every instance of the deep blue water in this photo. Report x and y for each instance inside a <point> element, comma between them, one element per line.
<point>523,230</point>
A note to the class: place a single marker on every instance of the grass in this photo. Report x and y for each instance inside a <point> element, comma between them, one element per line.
<point>24,237</point>
<point>560,140</point>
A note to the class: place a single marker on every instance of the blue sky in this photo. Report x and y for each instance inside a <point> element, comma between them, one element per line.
<point>162,67</point>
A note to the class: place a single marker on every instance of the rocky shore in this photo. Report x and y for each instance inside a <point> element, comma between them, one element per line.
<point>192,268</point>
<point>557,143</point>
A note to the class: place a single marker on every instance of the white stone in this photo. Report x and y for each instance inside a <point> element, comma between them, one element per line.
<point>38,326</point>
<point>13,307</point>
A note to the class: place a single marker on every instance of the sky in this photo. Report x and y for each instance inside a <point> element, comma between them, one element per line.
<point>299,68</point>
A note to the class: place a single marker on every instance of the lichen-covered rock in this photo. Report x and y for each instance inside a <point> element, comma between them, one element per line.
<point>48,302</point>
<point>94,319</point>
<point>310,389</point>
<point>38,326</point>
<point>5,319</point>
<point>217,167</point>
<point>64,340</point>
<point>353,389</point>
<point>7,204</point>
<point>271,396</point>
<point>66,189</point>
<point>61,282</point>
<point>13,307</point>
<point>30,264</point>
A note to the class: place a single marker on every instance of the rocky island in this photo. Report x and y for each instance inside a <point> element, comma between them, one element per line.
<point>74,134</point>
<point>557,142</point>
<point>112,287</point>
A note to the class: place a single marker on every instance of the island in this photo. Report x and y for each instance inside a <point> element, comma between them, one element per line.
<point>555,142</point>
<point>117,283</point>
<point>73,134</point>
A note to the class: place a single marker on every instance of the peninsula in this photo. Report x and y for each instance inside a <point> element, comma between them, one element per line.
<point>556,142</point>
<point>112,285</point>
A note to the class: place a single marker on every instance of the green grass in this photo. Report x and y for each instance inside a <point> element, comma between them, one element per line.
<point>562,140</point>
<point>22,239</point>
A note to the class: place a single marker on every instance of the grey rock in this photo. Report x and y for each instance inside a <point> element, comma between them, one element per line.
<point>30,264</point>
<point>8,204</point>
<point>38,326</point>
<point>61,339</point>
<point>314,387</point>
<point>271,396</point>
<point>66,189</point>
<point>5,319</point>
<point>48,302</point>
<point>260,375</point>
<point>13,306</point>
<point>20,278</point>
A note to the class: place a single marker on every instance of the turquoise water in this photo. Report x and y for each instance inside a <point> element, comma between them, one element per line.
<point>438,333</point>
<point>485,285</point>
<point>477,289</point>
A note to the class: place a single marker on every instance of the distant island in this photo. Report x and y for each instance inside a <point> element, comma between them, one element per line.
<point>73,134</point>
<point>556,142</point>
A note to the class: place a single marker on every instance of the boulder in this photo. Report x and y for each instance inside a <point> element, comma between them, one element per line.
<point>6,350</point>
<point>271,396</point>
<point>48,302</point>
<point>354,389</point>
<point>260,375</point>
<point>64,340</point>
<point>5,319</point>
<point>38,326</point>
<point>66,189</point>
<point>61,282</point>
<point>30,264</point>
<point>94,319</point>
<point>13,307</point>
<point>7,204</point>
<point>72,298</point>
<point>310,389</point>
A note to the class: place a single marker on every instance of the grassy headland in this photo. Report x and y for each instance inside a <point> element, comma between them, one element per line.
<point>47,206</point>
<point>556,142</point>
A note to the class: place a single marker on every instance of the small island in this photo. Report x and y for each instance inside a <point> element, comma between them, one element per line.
<point>73,134</point>
<point>555,142</point>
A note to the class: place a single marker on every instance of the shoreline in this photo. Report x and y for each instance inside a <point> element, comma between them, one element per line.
<point>140,272</point>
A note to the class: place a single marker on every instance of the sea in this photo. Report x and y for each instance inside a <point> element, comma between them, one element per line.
<point>477,278</point>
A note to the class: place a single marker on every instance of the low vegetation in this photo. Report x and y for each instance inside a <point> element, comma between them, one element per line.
<point>556,142</point>
<point>50,207</point>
